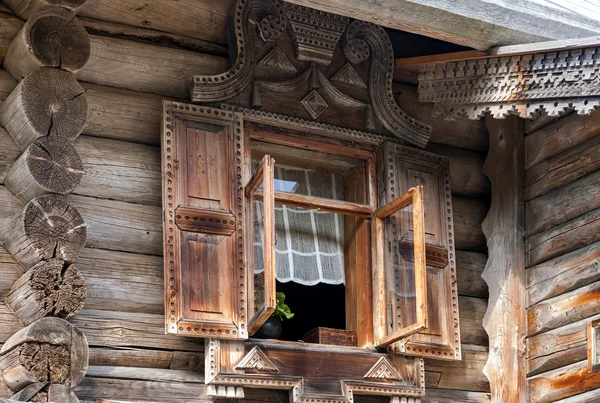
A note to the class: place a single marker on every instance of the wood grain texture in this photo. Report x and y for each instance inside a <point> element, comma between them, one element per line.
<point>563,274</point>
<point>198,19</point>
<point>469,266</point>
<point>560,136</point>
<point>468,216</point>
<point>562,383</point>
<point>10,25</point>
<point>563,204</point>
<point>564,238</point>
<point>10,152</point>
<point>145,67</point>
<point>466,374</point>
<point>504,273</point>
<point>25,9</point>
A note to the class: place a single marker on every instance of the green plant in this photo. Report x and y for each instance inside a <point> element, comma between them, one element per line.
<point>282,310</point>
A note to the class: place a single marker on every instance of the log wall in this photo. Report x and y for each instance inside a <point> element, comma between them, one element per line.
<point>563,256</point>
<point>137,59</point>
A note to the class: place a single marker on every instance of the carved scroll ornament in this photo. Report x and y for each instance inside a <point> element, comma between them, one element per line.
<point>523,85</point>
<point>317,66</point>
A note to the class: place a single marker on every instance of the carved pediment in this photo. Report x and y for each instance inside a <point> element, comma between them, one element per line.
<point>256,361</point>
<point>311,65</point>
<point>383,371</point>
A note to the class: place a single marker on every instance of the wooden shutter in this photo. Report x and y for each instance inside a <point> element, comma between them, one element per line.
<point>400,270</point>
<point>261,187</point>
<point>399,169</point>
<point>203,204</point>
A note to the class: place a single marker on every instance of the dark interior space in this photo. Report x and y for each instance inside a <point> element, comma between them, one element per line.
<point>321,305</point>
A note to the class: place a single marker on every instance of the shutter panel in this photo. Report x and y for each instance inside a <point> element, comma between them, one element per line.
<point>203,204</point>
<point>399,169</point>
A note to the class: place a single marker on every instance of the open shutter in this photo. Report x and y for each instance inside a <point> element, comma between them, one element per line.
<point>400,267</point>
<point>399,169</point>
<point>261,215</point>
<point>203,204</point>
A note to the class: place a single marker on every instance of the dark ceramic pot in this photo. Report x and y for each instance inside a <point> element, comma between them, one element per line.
<point>271,329</point>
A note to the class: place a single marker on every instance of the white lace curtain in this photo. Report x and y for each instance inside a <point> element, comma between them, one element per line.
<point>309,244</point>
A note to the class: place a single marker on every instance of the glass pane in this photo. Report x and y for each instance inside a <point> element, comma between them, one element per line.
<point>401,270</point>
<point>258,255</point>
<point>597,341</point>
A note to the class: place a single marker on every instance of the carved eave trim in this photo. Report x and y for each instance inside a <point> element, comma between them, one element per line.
<point>522,85</point>
<point>315,36</point>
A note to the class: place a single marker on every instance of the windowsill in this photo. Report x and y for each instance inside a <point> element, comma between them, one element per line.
<point>300,345</point>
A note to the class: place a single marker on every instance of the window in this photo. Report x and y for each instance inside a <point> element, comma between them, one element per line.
<point>593,336</point>
<point>253,208</point>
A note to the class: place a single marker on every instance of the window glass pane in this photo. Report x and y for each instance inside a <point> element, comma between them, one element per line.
<point>258,255</point>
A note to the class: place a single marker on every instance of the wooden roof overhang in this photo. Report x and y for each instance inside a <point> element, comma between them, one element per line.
<point>551,77</point>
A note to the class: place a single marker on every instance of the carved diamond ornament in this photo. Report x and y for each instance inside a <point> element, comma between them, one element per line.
<point>314,104</point>
<point>383,371</point>
<point>257,361</point>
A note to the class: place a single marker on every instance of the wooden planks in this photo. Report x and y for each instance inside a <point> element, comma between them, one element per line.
<point>145,67</point>
<point>468,216</point>
<point>469,266</point>
<point>146,358</point>
<point>466,374</point>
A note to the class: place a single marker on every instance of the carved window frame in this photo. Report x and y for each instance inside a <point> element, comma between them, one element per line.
<point>593,330</point>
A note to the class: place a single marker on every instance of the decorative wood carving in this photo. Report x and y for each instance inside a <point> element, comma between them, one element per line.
<point>326,49</point>
<point>309,371</point>
<point>256,361</point>
<point>522,84</point>
<point>383,371</point>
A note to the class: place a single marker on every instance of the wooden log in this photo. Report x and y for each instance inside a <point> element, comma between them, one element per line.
<point>61,393</point>
<point>10,25</point>
<point>53,37</point>
<point>562,383</point>
<point>145,67</point>
<point>563,204</point>
<point>469,266</point>
<point>121,226</point>
<point>201,19</point>
<point>565,238</point>
<point>10,152</point>
<point>50,165</point>
<point>7,84</point>
<point>466,178</point>
<point>558,348</point>
<point>563,168</point>
<point>50,288</point>
<point>468,216</point>
<point>553,139</point>
<point>10,270</point>
<point>453,396</point>
<point>504,321</point>
<point>119,170</point>
<point>47,102</point>
<point>460,133</point>
<point>25,9</point>
<point>146,358</point>
<point>563,274</point>
<point>48,227</point>
<point>564,309</point>
<point>472,311</point>
<point>49,350</point>
<point>45,392</point>
<point>123,115</point>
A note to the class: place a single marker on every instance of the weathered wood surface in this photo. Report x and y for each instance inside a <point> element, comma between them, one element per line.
<point>469,266</point>
<point>542,120</point>
<point>10,25</point>
<point>7,83</point>
<point>460,133</point>
<point>49,350</point>
<point>50,288</point>
<point>47,102</point>
<point>468,216</point>
<point>10,152</point>
<point>49,165</point>
<point>10,272</point>
<point>504,273</point>
<point>560,136</point>
<point>563,309</point>
<point>47,227</point>
<point>145,67</point>
<point>558,347</point>
<point>563,204</point>
<point>201,19</point>
<point>571,235</point>
<point>119,170</point>
<point>563,168</point>
<point>52,37</point>
<point>25,9</point>
<point>562,383</point>
<point>120,226</point>
<point>466,178</point>
<point>147,358</point>
<point>563,274</point>
<point>466,374</point>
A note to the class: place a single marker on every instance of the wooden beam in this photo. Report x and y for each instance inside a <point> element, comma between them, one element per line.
<point>477,24</point>
<point>547,46</point>
<point>413,63</point>
<point>504,273</point>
